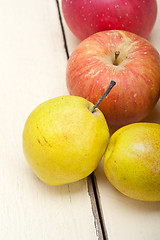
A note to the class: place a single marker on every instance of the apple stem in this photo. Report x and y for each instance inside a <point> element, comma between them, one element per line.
<point>111,85</point>
<point>115,57</point>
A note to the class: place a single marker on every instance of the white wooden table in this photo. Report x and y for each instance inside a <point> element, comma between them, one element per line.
<point>32,69</point>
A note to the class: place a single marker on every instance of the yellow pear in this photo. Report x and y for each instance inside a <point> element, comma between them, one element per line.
<point>63,141</point>
<point>132,161</point>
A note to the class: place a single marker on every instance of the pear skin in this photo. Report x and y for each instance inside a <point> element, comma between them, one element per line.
<point>132,161</point>
<point>63,141</point>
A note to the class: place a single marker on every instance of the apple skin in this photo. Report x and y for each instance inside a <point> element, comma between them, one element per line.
<point>132,161</point>
<point>85,17</point>
<point>63,141</point>
<point>136,72</point>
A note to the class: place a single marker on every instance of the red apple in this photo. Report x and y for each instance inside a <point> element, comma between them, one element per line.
<point>136,71</point>
<point>85,17</point>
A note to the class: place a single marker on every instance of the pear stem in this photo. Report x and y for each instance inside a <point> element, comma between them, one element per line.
<point>111,85</point>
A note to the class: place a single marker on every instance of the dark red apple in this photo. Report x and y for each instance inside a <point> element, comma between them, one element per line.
<point>128,59</point>
<point>85,17</point>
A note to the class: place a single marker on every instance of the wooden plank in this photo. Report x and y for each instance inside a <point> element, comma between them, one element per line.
<point>32,70</point>
<point>91,182</point>
<point>125,218</point>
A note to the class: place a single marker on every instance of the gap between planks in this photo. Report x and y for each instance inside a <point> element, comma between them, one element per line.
<point>91,180</point>
<point>96,207</point>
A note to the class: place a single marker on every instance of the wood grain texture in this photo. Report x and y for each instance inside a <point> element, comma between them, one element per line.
<point>32,70</point>
<point>126,218</point>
